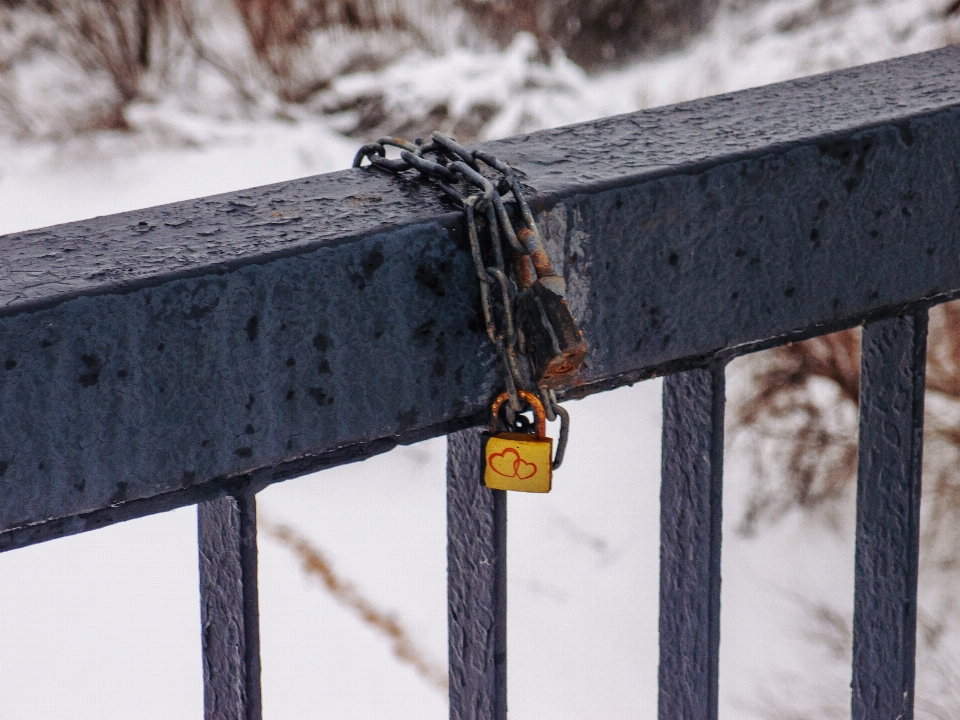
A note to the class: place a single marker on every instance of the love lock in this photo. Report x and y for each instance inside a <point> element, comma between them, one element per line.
<point>536,336</point>
<point>520,461</point>
<point>552,341</point>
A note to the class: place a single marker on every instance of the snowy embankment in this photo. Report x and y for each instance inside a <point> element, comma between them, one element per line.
<point>106,625</point>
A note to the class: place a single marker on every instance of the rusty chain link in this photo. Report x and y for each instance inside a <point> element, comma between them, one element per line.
<point>547,317</point>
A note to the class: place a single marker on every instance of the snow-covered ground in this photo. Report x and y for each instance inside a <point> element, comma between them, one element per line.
<point>106,625</point>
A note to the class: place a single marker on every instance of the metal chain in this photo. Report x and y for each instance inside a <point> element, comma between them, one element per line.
<point>452,165</point>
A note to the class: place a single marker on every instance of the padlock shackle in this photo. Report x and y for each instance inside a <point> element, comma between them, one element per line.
<point>532,400</point>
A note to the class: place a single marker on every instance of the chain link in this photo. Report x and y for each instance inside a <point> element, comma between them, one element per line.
<point>450,165</point>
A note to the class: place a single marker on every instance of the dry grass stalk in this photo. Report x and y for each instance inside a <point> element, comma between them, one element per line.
<point>315,564</point>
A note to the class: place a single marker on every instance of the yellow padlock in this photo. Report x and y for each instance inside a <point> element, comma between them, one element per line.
<point>519,461</point>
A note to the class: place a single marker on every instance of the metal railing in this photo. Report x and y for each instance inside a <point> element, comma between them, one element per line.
<point>199,351</point>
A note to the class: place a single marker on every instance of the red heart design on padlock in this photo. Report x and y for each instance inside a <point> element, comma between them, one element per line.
<point>525,470</point>
<point>506,462</point>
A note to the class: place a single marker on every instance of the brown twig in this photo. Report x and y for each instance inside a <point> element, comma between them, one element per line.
<point>314,563</point>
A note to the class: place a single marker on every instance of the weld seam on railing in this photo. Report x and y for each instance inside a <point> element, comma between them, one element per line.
<point>893,366</point>
<point>690,535</point>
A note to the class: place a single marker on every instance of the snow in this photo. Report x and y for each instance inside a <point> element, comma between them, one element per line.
<point>183,155</point>
<point>580,558</point>
<point>106,625</point>
<point>766,43</point>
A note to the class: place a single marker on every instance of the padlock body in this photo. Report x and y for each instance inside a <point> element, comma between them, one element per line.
<point>554,343</point>
<point>518,461</point>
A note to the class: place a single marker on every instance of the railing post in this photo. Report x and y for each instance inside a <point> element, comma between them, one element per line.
<point>476,584</point>
<point>893,365</point>
<point>690,524</point>
<point>230,623</point>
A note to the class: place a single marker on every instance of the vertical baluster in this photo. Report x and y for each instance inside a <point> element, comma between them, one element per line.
<point>476,584</point>
<point>888,517</point>
<point>690,516</point>
<point>227,529</point>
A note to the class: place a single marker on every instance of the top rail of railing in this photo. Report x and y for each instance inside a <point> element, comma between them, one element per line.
<point>159,357</point>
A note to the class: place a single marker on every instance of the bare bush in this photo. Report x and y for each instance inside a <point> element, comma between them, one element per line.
<point>115,37</point>
<point>70,66</point>
<point>73,65</point>
<point>802,406</point>
<point>595,33</point>
<point>828,634</point>
<point>281,34</point>
<point>803,401</point>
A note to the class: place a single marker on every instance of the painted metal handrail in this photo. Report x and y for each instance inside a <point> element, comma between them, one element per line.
<point>199,351</point>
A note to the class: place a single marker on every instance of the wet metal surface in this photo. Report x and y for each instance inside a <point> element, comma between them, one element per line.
<point>691,509</point>
<point>229,614</point>
<point>893,369</point>
<point>152,358</point>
